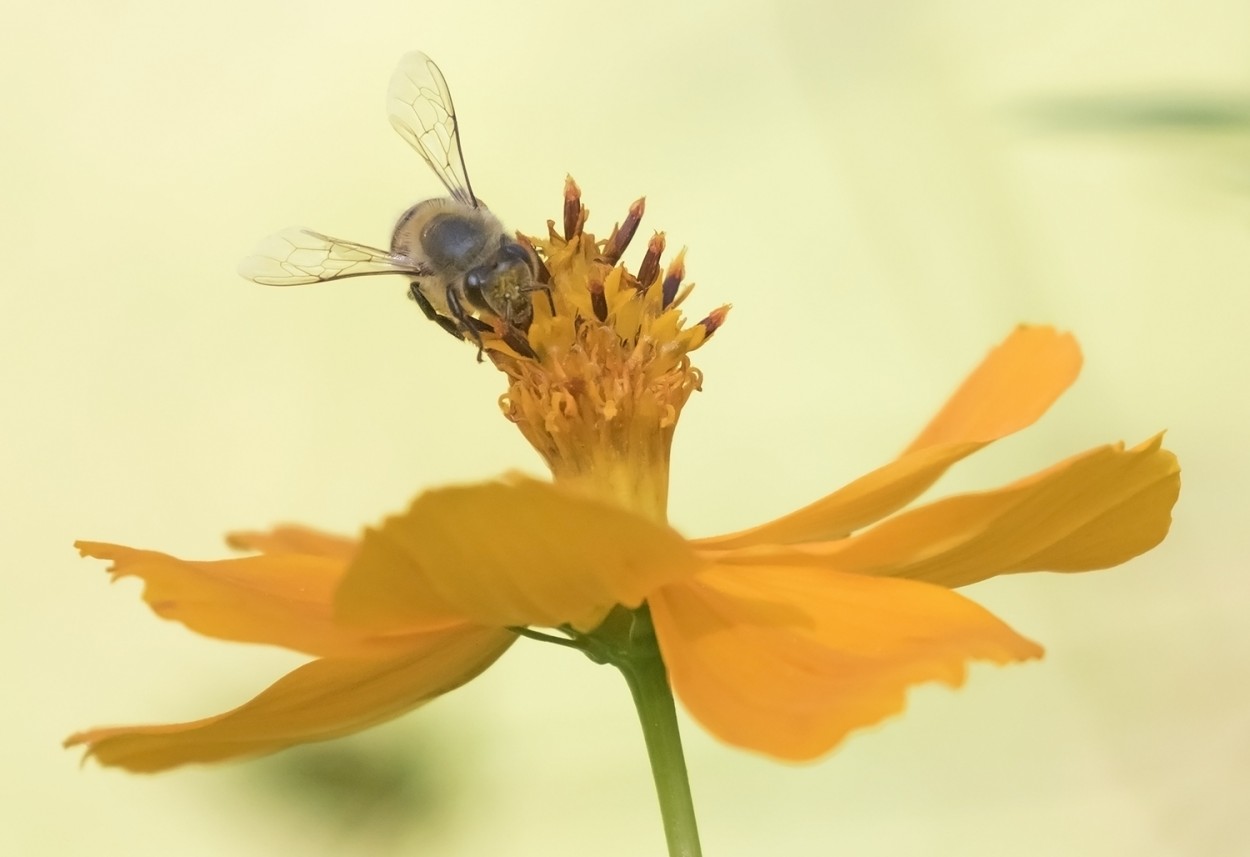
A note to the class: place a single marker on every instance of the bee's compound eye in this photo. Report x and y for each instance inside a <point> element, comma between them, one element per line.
<point>475,279</point>
<point>512,253</point>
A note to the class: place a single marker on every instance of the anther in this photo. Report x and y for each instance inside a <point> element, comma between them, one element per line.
<point>672,279</point>
<point>598,301</point>
<point>650,267</point>
<point>715,319</point>
<point>624,233</point>
<point>573,219</point>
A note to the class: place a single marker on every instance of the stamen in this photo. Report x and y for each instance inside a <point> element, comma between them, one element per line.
<point>573,218</point>
<point>715,319</point>
<point>650,267</point>
<point>598,300</point>
<point>515,339</point>
<point>624,233</point>
<point>672,279</point>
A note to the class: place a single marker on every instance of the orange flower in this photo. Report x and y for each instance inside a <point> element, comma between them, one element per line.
<point>781,639</point>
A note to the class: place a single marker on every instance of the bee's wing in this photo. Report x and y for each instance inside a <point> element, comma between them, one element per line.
<point>295,256</point>
<point>419,104</point>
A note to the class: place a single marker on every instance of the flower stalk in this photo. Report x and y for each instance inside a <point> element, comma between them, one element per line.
<point>627,641</point>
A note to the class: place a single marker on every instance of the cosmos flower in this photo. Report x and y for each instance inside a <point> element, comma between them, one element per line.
<point>781,639</point>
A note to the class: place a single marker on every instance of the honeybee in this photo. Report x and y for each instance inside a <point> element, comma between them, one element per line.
<point>462,264</point>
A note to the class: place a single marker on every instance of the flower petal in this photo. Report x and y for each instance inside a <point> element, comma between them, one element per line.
<point>1016,383</point>
<point>1009,391</point>
<point>1095,510</point>
<point>292,538</point>
<point>788,660</point>
<point>284,599</point>
<point>514,552</point>
<point>323,699</point>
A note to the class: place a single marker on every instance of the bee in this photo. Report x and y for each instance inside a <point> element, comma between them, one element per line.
<point>463,266</point>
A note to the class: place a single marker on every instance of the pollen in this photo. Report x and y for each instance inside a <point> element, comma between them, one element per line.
<point>608,369</point>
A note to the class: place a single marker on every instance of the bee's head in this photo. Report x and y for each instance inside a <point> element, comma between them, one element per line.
<point>505,283</point>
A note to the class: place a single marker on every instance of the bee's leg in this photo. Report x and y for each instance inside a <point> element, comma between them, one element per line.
<point>414,292</point>
<point>466,321</point>
<point>546,288</point>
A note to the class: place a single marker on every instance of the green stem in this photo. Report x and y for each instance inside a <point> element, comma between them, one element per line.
<point>522,631</point>
<point>644,671</point>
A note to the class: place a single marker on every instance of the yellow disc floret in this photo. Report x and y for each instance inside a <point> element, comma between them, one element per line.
<point>610,368</point>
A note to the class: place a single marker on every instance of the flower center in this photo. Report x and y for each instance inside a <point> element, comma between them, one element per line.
<point>609,369</point>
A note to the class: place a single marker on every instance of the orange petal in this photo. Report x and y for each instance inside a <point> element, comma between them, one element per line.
<point>788,660</point>
<point>1094,510</point>
<point>515,552</point>
<point>1016,383</point>
<point>324,699</point>
<point>292,538</point>
<point>1009,391</point>
<point>284,600</point>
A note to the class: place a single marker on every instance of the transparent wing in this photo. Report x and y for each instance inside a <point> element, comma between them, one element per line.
<point>295,257</point>
<point>419,104</point>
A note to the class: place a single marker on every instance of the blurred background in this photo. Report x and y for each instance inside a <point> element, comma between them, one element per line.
<point>881,190</point>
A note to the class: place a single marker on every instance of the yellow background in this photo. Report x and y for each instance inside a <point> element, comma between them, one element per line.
<point>864,182</point>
